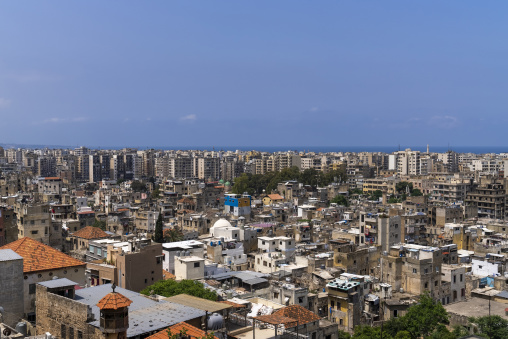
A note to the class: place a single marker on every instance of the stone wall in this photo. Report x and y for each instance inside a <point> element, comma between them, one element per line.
<point>56,312</point>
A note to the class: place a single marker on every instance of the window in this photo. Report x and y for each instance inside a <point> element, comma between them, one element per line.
<point>196,264</point>
<point>426,285</point>
<point>62,331</point>
<point>80,334</point>
<point>91,249</point>
<point>35,232</point>
<point>395,313</point>
<point>454,279</point>
<point>71,333</point>
<point>435,283</point>
<point>414,270</point>
<point>31,289</point>
<point>99,251</point>
<point>332,304</point>
<point>461,278</point>
<point>300,300</point>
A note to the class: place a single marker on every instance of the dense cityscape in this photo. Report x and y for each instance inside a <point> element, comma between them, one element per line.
<point>245,244</point>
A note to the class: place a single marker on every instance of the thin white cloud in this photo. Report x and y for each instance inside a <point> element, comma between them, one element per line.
<point>56,120</point>
<point>4,103</point>
<point>190,117</point>
<point>314,109</point>
<point>29,77</point>
<point>444,121</point>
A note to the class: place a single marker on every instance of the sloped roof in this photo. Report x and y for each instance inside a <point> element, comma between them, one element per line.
<point>40,257</point>
<point>90,232</point>
<point>275,197</point>
<point>191,331</point>
<point>299,313</point>
<point>113,301</point>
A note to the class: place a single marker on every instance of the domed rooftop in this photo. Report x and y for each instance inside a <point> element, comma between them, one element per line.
<point>221,223</point>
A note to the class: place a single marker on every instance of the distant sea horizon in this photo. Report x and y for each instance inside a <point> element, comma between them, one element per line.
<point>272,149</point>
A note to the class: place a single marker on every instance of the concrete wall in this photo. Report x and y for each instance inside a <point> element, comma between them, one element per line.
<point>11,290</point>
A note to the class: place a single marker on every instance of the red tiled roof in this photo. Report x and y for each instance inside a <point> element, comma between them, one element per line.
<point>167,275</point>
<point>40,257</point>
<point>191,331</point>
<point>299,313</point>
<point>275,197</point>
<point>186,201</point>
<point>90,232</point>
<point>113,301</point>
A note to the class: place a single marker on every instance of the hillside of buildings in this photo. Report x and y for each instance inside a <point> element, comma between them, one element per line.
<point>128,243</point>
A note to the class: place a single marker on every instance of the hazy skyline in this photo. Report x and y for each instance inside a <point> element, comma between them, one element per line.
<point>253,73</point>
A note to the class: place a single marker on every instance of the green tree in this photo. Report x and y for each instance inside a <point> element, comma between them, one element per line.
<point>173,235</point>
<point>169,288</point>
<point>344,335</point>
<point>158,235</point>
<point>400,187</point>
<point>416,193</point>
<point>340,200</point>
<point>138,186</point>
<point>421,319</point>
<point>156,192</point>
<point>367,332</point>
<point>376,195</point>
<point>493,327</point>
<point>100,224</point>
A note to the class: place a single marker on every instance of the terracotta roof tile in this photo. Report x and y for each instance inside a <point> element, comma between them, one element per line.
<point>191,331</point>
<point>186,201</point>
<point>90,232</point>
<point>299,313</point>
<point>275,197</point>
<point>167,275</point>
<point>40,257</point>
<point>113,301</point>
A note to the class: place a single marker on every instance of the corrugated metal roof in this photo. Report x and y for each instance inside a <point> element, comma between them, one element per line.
<point>145,315</point>
<point>254,281</point>
<point>62,282</point>
<point>8,255</point>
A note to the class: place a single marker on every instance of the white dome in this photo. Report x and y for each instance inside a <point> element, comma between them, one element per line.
<point>221,223</point>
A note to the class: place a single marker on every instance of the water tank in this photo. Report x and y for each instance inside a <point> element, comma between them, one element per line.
<point>401,290</point>
<point>187,254</point>
<point>215,322</point>
<point>21,328</point>
<point>222,239</point>
<point>211,244</point>
<point>322,266</point>
<point>177,253</point>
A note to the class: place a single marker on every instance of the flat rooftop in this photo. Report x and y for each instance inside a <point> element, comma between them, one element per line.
<point>477,307</point>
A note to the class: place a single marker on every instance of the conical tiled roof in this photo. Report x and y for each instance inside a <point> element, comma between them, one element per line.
<point>113,301</point>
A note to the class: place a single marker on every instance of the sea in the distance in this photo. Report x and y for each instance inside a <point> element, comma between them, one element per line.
<point>317,149</point>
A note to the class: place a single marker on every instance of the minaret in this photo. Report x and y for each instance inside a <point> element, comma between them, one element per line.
<point>114,320</point>
<point>428,149</point>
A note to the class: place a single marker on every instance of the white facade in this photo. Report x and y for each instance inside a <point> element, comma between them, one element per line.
<point>189,267</point>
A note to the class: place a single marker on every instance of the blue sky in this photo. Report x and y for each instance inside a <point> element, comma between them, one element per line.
<point>305,73</point>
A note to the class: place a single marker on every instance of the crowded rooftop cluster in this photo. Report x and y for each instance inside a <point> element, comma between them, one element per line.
<point>220,244</point>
